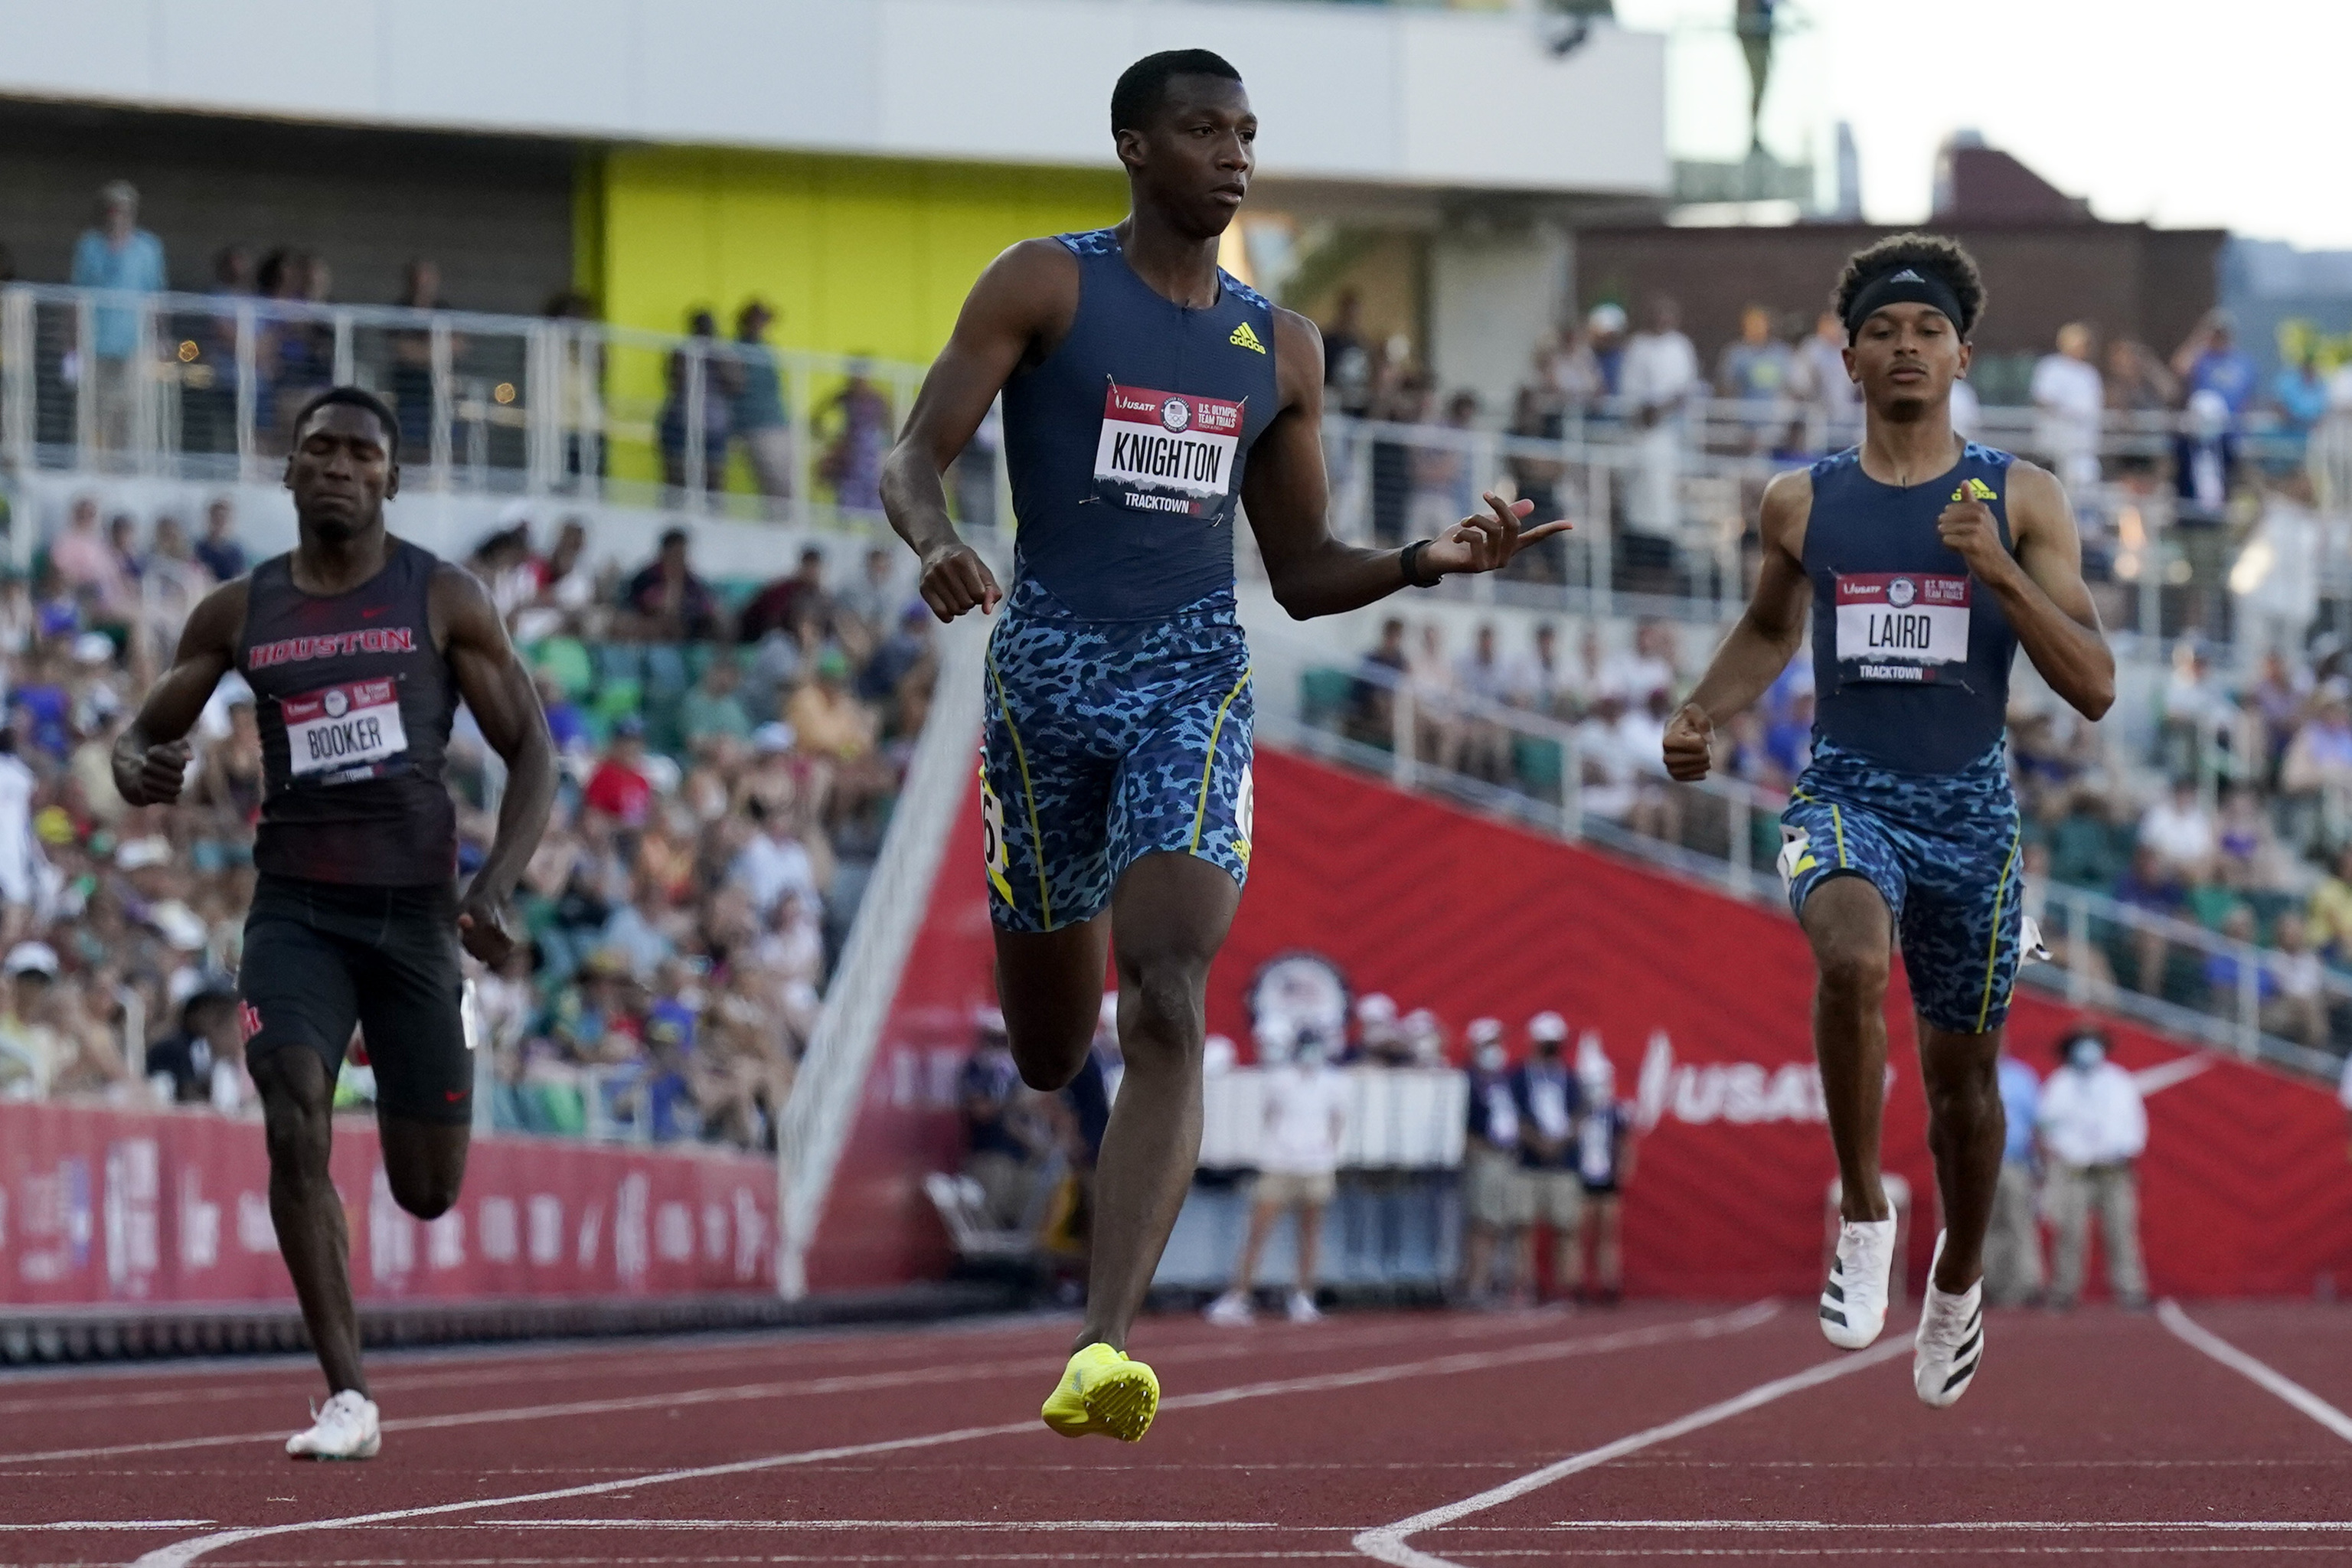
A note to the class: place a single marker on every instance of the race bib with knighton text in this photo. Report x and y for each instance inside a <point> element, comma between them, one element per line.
<point>1166,451</point>
<point>345,733</point>
<point>1901,627</point>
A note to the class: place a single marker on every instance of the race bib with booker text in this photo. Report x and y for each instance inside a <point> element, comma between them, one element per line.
<point>345,733</point>
<point>1168,452</point>
<point>1904,627</point>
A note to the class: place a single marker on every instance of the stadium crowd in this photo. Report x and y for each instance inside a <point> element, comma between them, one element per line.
<point>729,758</point>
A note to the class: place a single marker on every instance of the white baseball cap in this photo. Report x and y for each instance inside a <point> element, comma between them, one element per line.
<point>1547,1027</point>
<point>1376,1007</point>
<point>138,854</point>
<point>31,958</point>
<point>1485,1031</point>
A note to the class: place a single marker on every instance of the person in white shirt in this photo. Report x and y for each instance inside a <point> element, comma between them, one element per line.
<point>2181,831</point>
<point>1305,1105</point>
<point>2070,396</point>
<point>2092,1127</point>
<point>1660,375</point>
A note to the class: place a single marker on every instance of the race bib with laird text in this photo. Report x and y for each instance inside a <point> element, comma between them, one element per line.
<point>1901,627</point>
<point>345,733</point>
<point>1167,451</point>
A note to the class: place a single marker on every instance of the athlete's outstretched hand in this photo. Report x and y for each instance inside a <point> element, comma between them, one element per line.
<point>1488,540</point>
<point>1967,529</point>
<point>1690,742</point>
<point>482,928</point>
<point>955,579</point>
<point>157,776</point>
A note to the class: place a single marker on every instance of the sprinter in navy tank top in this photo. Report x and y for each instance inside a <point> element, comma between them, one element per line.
<point>357,647</point>
<point>1927,561</point>
<point>1148,396</point>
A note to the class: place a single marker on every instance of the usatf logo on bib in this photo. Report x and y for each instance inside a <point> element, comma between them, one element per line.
<point>1163,452</point>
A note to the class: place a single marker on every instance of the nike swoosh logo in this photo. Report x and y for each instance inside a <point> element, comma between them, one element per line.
<point>453,1095</point>
<point>371,615</point>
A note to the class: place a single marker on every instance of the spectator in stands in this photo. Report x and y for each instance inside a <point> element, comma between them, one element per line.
<point>1442,480</point>
<point>2318,761</point>
<point>670,602</point>
<point>774,863</point>
<point>2296,1008</point>
<point>2329,917</point>
<point>2137,380</point>
<point>223,556</point>
<point>858,422</point>
<point>999,1136</point>
<point>2181,834</point>
<point>1754,369</point>
<point>760,418</point>
<point>721,380</point>
<point>907,658</point>
<point>2013,1249</point>
<point>2204,480</point>
<point>580,386</point>
<point>1604,1166</point>
<point>1661,375</point>
<point>1604,346</point>
<point>118,256</point>
<point>1480,676</point>
<point>2327,455</point>
<point>2094,1127</point>
<point>2210,361</point>
<point>88,567</point>
<point>797,605</point>
<point>1371,699</point>
<point>32,1049</point>
<point>1305,1105</point>
<point>2070,397</point>
<point>1648,666</point>
<point>1380,1033</point>
<point>208,1046</point>
<point>619,787</point>
<point>1540,681</point>
<point>1544,1092</point>
<point>1496,1199</point>
<point>412,358</point>
<point>1347,357</point>
<point>1430,680</point>
<point>866,611</point>
<point>2299,392</point>
<point>711,708</point>
<point>1831,404</point>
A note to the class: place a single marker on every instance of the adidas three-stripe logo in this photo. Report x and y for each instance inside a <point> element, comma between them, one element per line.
<point>1243,338</point>
<point>1834,1292</point>
<point>1969,1353</point>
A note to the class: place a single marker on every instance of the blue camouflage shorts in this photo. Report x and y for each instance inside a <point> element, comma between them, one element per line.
<point>1941,850</point>
<point>1106,741</point>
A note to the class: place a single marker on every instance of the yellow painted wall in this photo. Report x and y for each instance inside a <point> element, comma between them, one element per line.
<point>861,256</point>
<point>856,255</point>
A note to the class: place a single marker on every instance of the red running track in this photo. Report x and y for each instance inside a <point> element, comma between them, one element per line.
<point>1733,1435</point>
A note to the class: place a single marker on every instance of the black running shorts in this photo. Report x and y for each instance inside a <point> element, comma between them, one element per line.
<point>321,956</point>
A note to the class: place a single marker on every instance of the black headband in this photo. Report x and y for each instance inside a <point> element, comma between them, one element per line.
<point>1904,286</point>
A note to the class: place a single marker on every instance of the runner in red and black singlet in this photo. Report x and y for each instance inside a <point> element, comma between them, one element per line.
<point>358,648</point>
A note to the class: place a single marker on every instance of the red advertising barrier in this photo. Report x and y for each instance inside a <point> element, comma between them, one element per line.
<point>1703,1004</point>
<point>101,1207</point>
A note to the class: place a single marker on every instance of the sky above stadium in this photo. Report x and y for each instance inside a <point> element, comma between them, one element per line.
<point>2183,112</point>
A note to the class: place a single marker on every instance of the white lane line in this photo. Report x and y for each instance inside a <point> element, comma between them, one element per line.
<point>1226,1348</point>
<point>110,1524</point>
<point>2068,1527</point>
<point>998,1526</point>
<point>1387,1543</point>
<point>179,1553</point>
<point>2190,1333</point>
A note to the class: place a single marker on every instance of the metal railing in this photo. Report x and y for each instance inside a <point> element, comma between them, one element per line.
<point>1538,770</point>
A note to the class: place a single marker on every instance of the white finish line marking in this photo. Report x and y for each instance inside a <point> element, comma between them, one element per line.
<point>182,1553</point>
<point>1387,1543</point>
<point>2197,1337</point>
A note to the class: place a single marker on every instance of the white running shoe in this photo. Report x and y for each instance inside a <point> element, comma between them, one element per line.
<point>1853,1302</point>
<point>1231,1311</point>
<point>1302,1309</point>
<point>342,1429</point>
<point>1950,1344</point>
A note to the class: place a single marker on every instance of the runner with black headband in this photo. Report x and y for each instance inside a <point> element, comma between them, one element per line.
<point>1927,561</point>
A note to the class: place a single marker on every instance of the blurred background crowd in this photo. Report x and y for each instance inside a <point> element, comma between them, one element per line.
<point>730,752</point>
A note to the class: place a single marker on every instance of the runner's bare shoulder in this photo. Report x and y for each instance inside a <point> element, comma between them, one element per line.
<point>1788,504</point>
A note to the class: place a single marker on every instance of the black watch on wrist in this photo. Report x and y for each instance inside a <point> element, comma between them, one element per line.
<point>1411,561</point>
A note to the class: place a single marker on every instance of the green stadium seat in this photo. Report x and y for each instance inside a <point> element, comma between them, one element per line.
<point>1324,695</point>
<point>567,659</point>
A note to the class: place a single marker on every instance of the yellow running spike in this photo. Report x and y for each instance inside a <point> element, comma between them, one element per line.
<point>1102,1391</point>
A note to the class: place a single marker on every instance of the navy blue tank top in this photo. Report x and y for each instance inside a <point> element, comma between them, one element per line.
<point>1125,448</point>
<point>1911,654</point>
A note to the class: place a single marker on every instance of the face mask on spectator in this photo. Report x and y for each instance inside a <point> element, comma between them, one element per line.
<point>2085,1054</point>
<point>1490,1058</point>
<point>1308,1052</point>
